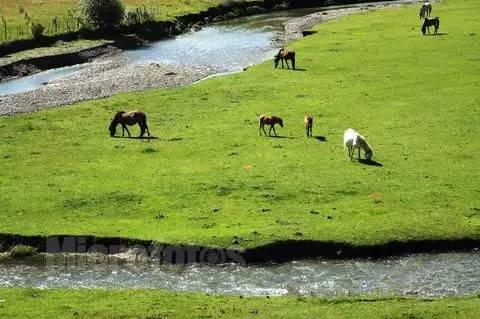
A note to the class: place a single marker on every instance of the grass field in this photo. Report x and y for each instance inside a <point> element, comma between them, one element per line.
<point>40,304</point>
<point>210,178</point>
<point>44,11</point>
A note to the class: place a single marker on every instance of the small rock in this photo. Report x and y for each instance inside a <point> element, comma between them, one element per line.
<point>329,217</point>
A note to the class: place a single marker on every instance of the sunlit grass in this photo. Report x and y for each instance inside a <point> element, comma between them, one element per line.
<point>213,178</point>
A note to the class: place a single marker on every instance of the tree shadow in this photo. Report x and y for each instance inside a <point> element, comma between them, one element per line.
<point>321,138</point>
<point>370,162</point>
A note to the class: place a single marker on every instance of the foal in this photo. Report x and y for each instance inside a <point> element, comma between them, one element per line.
<point>308,120</point>
<point>269,120</point>
<point>284,55</point>
<point>130,118</point>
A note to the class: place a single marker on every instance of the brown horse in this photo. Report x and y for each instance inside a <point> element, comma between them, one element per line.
<point>284,55</point>
<point>130,118</point>
<point>308,120</point>
<point>269,120</point>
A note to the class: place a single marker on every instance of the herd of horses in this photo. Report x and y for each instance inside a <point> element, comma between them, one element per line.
<point>352,140</point>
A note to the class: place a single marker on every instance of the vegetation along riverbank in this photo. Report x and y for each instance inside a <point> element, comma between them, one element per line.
<point>209,179</point>
<point>39,304</point>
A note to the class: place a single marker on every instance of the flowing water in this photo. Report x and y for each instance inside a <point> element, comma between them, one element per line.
<point>428,275</point>
<point>222,47</point>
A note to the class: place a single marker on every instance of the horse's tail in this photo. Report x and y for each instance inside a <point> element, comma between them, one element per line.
<point>437,21</point>
<point>293,59</point>
<point>424,27</point>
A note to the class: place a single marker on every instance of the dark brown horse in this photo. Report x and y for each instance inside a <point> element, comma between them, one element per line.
<point>427,23</point>
<point>130,118</point>
<point>308,124</point>
<point>269,120</point>
<point>284,55</point>
<point>425,10</point>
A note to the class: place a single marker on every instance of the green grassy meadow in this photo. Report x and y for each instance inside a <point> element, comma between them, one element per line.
<point>210,178</point>
<point>40,304</point>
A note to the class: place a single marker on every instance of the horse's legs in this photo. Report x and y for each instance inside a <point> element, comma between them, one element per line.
<point>282,62</point>
<point>293,62</point>
<point>274,132</point>
<point>359,154</point>
<point>124,127</point>
<point>286,61</point>
<point>262,128</point>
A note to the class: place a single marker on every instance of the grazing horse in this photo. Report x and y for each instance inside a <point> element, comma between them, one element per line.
<point>284,55</point>
<point>353,140</point>
<point>425,10</point>
<point>269,120</point>
<point>428,23</point>
<point>308,120</point>
<point>130,118</point>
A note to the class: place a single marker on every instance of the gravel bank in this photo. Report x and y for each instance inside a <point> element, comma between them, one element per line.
<point>99,79</point>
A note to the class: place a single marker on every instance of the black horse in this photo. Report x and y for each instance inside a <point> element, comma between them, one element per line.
<point>284,55</point>
<point>427,23</point>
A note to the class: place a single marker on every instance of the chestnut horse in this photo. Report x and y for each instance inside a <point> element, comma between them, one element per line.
<point>269,120</point>
<point>130,118</point>
<point>286,55</point>
<point>308,124</point>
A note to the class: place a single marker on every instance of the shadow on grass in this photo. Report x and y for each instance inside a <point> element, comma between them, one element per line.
<point>437,34</point>
<point>321,138</point>
<point>138,137</point>
<point>370,162</point>
<point>279,136</point>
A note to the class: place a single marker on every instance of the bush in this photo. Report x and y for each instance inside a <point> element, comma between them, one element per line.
<point>37,30</point>
<point>102,14</point>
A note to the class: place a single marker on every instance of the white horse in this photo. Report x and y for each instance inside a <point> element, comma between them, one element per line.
<point>353,140</point>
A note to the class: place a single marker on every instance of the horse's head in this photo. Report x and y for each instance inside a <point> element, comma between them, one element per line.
<point>276,59</point>
<point>112,128</point>
<point>369,154</point>
<point>113,125</point>
<point>280,122</point>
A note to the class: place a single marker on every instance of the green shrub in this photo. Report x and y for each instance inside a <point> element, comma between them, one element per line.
<point>102,14</point>
<point>37,30</point>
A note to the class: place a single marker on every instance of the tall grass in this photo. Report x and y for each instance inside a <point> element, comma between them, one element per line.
<point>61,16</point>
